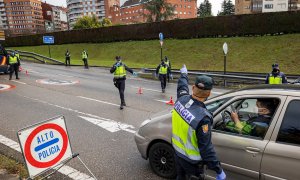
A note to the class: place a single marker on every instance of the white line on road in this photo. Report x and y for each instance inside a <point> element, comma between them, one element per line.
<point>161,100</point>
<point>95,120</point>
<point>16,81</point>
<point>111,126</point>
<point>66,170</point>
<point>98,101</point>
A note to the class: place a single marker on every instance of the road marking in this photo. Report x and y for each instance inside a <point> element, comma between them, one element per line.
<point>111,126</point>
<point>15,81</point>
<point>105,123</point>
<point>98,101</point>
<point>146,89</point>
<point>66,170</point>
<point>65,75</point>
<point>161,100</point>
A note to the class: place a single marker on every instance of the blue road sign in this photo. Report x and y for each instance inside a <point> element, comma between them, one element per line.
<point>161,36</point>
<point>48,39</point>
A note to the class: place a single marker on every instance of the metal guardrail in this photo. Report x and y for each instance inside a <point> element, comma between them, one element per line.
<point>256,77</point>
<point>36,56</point>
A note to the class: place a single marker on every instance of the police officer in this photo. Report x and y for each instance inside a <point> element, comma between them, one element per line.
<point>84,56</point>
<point>256,126</point>
<point>276,77</point>
<point>14,63</point>
<point>191,129</point>
<point>119,69</point>
<point>163,70</point>
<point>167,62</point>
<point>68,57</point>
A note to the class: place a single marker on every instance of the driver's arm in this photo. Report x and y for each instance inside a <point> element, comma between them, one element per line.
<point>235,118</point>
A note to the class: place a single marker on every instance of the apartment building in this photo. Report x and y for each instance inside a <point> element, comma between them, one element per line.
<point>264,6</point>
<point>24,17</point>
<point>55,17</point>
<point>132,11</point>
<point>79,8</point>
<point>3,18</point>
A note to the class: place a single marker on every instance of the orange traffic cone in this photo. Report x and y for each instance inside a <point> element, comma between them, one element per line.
<point>171,102</point>
<point>140,91</point>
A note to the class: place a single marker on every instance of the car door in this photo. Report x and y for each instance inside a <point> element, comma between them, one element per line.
<point>281,159</point>
<point>241,155</point>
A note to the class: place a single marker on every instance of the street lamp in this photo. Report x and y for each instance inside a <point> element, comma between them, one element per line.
<point>225,50</point>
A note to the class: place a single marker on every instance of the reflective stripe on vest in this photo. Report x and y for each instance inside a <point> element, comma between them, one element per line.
<point>120,72</point>
<point>84,55</point>
<point>275,80</point>
<point>163,70</point>
<point>184,139</point>
<point>13,60</point>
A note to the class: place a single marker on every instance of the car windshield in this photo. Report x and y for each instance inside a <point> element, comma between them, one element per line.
<point>213,106</point>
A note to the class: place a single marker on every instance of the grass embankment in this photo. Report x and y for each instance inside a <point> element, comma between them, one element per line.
<point>246,54</point>
<point>12,166</point>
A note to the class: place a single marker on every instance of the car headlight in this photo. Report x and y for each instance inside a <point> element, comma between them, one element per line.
<point>145,122</point>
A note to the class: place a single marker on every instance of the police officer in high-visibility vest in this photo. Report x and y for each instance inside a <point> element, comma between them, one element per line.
<point>163,70</point>
<point>168,62</point>
<point>119,69</point>
<point>191,129</point>
<point>68,57</point>
<point>85,56</point>
<point>276,77</point>
<point>14,63</point>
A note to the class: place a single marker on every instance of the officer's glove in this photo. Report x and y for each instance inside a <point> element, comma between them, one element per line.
<point>135,73</point>
<point>221,176</point>
<point>183,70</point>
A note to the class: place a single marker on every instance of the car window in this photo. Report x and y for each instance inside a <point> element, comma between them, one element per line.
<point>290,128</point>
<point>213,106</point>
<point>250,117</point>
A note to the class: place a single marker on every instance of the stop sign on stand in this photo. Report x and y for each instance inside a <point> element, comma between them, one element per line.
<point>45,145</point>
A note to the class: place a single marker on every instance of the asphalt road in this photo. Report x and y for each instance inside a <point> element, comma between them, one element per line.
<point>92,99</point>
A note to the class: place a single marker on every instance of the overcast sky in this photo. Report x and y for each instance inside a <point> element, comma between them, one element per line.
<point>216,4</point>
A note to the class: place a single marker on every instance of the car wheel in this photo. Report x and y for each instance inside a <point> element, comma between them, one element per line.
<point>162,160</point>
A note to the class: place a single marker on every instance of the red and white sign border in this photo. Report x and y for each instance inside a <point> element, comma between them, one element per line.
<point>37,124</point>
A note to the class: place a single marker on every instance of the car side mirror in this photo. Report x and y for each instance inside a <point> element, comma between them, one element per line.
<point>245,105</point>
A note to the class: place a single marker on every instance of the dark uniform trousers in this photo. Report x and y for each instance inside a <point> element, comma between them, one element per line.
<point>120,84</point>
<point>163,80</point>
<point>184,168</point>
<point>68,61</point>
<point>14,68</point>
<point>85,63</point>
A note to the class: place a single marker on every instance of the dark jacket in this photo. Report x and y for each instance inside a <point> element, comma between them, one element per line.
<point>205,146</point>
<point>114,67</point>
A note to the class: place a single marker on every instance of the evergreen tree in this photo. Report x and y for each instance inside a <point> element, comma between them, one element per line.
<point>227,8</point>
<point>204,9</point>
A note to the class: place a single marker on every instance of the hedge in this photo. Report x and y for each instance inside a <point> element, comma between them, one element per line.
<point>220,26</point>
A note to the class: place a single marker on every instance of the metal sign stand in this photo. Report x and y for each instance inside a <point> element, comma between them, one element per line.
<point>61,165</point>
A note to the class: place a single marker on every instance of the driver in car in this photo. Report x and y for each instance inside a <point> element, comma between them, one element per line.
<point>255,126</point>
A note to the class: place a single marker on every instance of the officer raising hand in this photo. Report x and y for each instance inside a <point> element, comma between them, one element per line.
<point>191,129</point>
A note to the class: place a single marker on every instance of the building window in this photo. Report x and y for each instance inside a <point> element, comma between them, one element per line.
<point>268,6</point>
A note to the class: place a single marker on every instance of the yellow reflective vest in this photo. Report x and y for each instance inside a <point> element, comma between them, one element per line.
<point>275,80</point>
<point>84,55</point>
<point>163,69</point>
<point>184,125</point>
<point>120,72</point>
<point>13,59</point>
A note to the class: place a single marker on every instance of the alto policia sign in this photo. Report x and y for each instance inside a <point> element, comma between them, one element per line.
<point>45,145</point>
